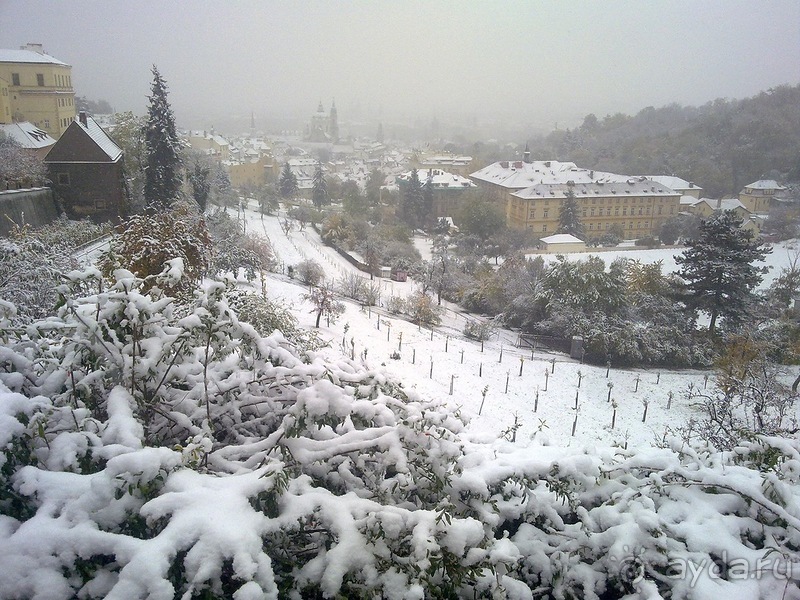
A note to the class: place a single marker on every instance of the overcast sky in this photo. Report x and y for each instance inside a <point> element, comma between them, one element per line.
<point>541,62</point>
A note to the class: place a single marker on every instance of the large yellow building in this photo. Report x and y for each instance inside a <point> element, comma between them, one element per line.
<point>532,194</point>
<point>36,87</point>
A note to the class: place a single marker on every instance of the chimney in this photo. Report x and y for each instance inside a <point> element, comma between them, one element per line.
<point>33,47</point>
<point>82,118</point>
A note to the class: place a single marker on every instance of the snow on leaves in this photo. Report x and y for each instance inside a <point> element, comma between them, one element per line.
<point>157,451</point>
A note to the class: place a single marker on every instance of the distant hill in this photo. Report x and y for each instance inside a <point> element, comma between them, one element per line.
<point>721,146</point>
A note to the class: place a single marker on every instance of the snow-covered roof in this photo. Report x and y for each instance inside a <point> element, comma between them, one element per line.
<point>28,56</point>
<point>674,183</point>
<point>765,184</point>
<point>99,137</point>
<point>692,201</point>
<point>631,186</point>
<point>520,175</point>
<point>440,179</point>
<point>561,238</point>
<point>27,135</point>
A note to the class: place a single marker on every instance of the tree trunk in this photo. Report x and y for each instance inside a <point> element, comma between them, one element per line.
<point>319,316</point>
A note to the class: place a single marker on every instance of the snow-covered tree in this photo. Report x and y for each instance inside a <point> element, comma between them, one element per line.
<point>162,183</point>
<point>720,271</point>
<point>19,167</point>
<point>128,133</point>
<point>323,298</point>
<point>411,203</point>
<point>569,216</point>
<point>287,184</point>
<point>319,193</point>
<point>200,180</point>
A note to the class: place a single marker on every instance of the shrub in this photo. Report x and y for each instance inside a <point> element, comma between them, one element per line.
<point>309,272</point>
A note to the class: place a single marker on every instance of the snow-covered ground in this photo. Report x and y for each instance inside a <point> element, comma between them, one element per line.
<point>436,362</point>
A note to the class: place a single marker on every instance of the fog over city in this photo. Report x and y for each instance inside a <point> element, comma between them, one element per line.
<point>533,63</point>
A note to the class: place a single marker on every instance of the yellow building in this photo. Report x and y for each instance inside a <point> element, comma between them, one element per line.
<point>36,87</point>
<point>253,172</point>
<point>757,197</point>
<point>532,193</point>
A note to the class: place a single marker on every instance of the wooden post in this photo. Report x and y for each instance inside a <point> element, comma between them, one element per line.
<point>431,375</point>
<point>576,399</point>
<point>610,385</point>
<point>480,370</point>
<point>508,373</point>
<point>379,322</point>
<point>400,345</point>
<point>483,393</point>
<point>546,378</point>
<point>669,400</point>
<point>536,401</point>
<point>553,365</point>
<point>658,377</point>
<point>705,381</point>
<point>636,389</point>
<point>574,424</point>
<point>521,362</point>
<point>481,345</point>
<point>608,368</point>
<point>501,353</point>
<point>462,356</point>
<point>644,416</point>
<point>451,384</point>
<point>614,414</point>
<point>580,376</point>
<point>431,334</point>
<point>446,342</point>
<point>414,356</point>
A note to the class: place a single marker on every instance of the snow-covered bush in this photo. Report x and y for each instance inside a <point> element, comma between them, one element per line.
<point>233,249</point>
<point>144,243</point>
<point>149,452</point>
<point>479,329</point>
<point>309,272</point>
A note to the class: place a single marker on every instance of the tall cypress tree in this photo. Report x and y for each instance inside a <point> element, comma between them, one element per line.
<point>319,193</point>
<point>162,182</point>
<point>719,271</point>
<point>288,182</point>
<point>569,218</point>
<point>412,201</point>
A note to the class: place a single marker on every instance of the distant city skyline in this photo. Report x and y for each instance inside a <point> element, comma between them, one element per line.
<point>535,63</point>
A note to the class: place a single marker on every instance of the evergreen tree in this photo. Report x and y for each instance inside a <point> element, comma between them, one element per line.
<point>569,217</point>
<point>373,187</point>
<point>162,182</point>
<point>719,271</point>
<point>426,215</point>
<point>199,178</point>
<point>287,182</point>
<point>319,194</point>
<point>412,201</point>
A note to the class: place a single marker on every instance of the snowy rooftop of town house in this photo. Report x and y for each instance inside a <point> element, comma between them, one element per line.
<point>28,56</point>
<point>629,187</point>
<point>27,135</point>
<point>674,183</point>
<point>445,159</point>
<point>440,179</point>
<point>99,136</point>
<point>764,184</point>
<point>520,175</point>
<point>721,204</point>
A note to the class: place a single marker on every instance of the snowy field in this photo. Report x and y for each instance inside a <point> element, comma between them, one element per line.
<point>443,363</point>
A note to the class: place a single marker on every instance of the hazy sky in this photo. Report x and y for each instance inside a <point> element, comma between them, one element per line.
<point>540,62</point>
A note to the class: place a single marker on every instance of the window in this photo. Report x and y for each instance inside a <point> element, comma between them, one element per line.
<point>40,79</point>
<point>544,228</point>
<point>659,209</point>
<point>608,225</point>
<point>592,212</point>
<point>544,216</point>
<point>63,179</point>
<point>625,211</point>
<point>584,212</point>
<point>616,211</point>
<point>591,226</point>
<point>100,203</point>
<point>640,210</point>
<point>15,79</point>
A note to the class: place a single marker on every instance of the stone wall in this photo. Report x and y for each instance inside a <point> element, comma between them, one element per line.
<point>34,206</point>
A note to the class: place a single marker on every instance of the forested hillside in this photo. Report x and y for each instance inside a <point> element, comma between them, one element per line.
<point>722,145</point>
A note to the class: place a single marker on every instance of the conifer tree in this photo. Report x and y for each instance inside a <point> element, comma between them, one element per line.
<point>162,183</point>
<point>569,218</point>
<point>288,182</point>
<point>426,214</point>
<point>319,194</point>
<point>200,180</point>
<point>412,202</point>
<point>719,269</point>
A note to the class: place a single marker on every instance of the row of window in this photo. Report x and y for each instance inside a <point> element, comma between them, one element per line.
<point>61,80</point>
<point>639,225</point>
<point>65,102</point>
<point>642,211</point>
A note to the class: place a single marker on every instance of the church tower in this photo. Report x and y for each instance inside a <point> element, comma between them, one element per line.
<point>334,123</point>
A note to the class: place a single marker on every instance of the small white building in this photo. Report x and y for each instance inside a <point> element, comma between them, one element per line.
<point>562,243</point>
